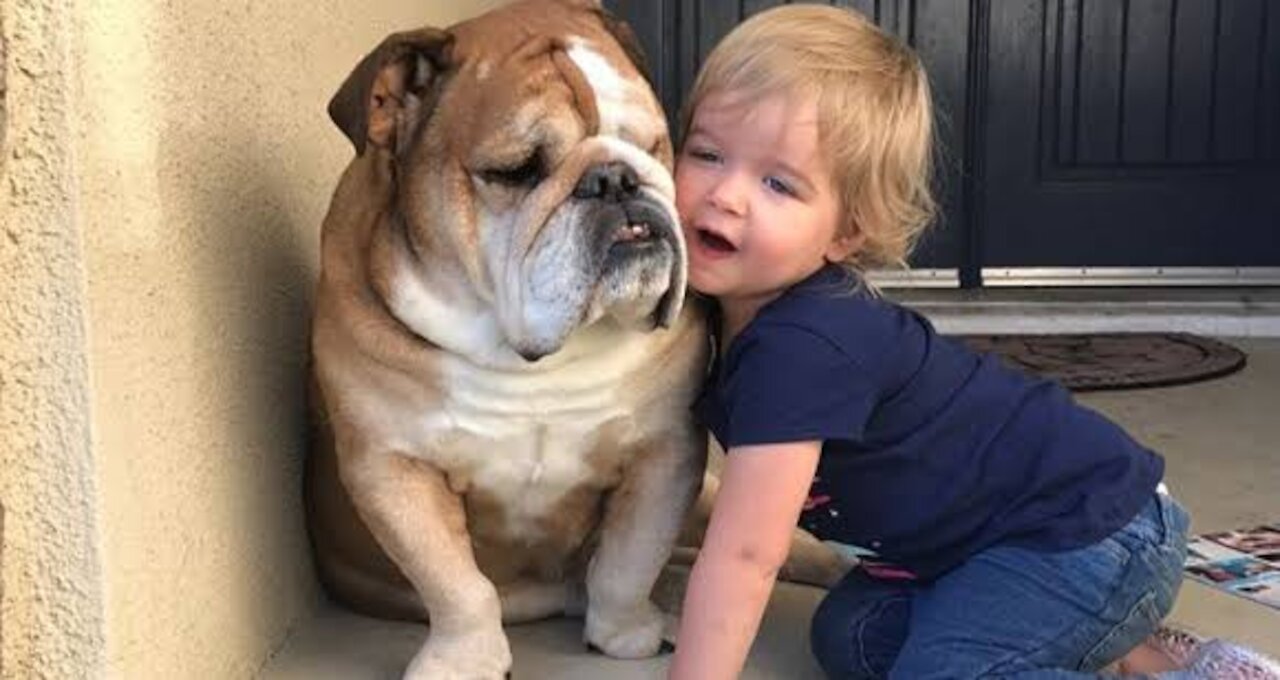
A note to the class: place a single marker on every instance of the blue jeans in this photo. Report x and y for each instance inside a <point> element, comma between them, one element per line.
<point>1010,611</point>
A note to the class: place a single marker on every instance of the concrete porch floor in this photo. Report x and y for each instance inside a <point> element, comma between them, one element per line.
<point>1221,440</point>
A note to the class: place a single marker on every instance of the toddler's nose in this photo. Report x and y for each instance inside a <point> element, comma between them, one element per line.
<point>728,195</point>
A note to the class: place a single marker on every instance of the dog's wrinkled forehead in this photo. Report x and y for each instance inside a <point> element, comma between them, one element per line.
<point>510,73</point>
<point>622,101</point>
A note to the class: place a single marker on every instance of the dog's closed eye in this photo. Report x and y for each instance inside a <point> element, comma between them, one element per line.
<point>526,174</point>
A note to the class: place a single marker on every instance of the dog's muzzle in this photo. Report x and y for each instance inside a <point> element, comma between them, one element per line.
<point>632,230</point>
<point>613,248</point>
<point>629,223</point>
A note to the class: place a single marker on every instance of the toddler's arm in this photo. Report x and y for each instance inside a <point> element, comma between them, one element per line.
<point>762,491</point>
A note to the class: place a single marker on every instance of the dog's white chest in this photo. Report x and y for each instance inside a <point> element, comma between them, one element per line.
<point>517,453</point>
<point>529,439</point>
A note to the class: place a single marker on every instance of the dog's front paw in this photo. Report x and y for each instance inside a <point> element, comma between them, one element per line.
<point>625,633</point>
<point>473,656</point>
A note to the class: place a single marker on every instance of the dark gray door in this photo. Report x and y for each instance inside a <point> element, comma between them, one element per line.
<point>1074,133</point>
<point>1130,133</point>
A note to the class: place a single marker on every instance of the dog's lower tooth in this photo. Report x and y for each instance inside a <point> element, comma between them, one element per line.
<point>632,232</point>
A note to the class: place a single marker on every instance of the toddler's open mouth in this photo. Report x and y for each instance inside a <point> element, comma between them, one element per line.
<point>715,242</point>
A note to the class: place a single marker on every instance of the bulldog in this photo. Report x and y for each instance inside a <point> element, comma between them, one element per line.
<point>501,345</point>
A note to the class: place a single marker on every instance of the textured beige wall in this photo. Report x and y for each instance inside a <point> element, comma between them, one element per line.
<point>51,615</point>
<point>184,164</point>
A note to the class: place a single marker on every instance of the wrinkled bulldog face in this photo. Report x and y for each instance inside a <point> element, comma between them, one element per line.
<point>559,188</point>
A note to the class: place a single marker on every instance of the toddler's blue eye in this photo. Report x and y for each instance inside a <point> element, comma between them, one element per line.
<point>778,186</point>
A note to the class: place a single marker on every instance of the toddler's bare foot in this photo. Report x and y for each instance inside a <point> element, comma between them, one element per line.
<point>1145,659</point>
<point>1167,649</point>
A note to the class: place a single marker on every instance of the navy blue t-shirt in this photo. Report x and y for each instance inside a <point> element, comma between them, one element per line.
<point>931,452</point>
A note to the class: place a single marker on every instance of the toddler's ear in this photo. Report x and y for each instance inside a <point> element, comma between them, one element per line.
<point>843,247</point>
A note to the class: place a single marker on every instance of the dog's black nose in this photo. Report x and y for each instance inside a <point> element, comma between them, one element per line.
<point>608,181</point>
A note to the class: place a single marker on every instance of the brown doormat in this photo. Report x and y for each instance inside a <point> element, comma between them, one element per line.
<point>1115,361</point>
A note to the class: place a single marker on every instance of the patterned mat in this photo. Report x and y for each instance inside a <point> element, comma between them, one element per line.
<point>1115,361</point>
<point>1245,562</point>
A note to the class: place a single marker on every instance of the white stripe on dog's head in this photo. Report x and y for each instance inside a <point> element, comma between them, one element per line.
<point>627,107</point>
<point>611,89</point>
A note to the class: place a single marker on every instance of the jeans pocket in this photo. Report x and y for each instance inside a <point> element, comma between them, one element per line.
<point>1161,524</point>
<point>1118,553</point>
<point>1089,576</point>
<point>1148,528</point>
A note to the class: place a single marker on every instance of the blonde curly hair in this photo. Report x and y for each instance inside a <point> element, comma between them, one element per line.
<point>875,119</point>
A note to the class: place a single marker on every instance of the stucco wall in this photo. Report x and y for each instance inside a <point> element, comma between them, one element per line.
<point>51,615</point>
<point>167,165</point>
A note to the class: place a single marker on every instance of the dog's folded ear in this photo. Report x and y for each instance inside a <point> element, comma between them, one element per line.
<point>389,90</point>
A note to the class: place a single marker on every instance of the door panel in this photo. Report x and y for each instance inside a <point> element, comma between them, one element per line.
<point>1152,142</point>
